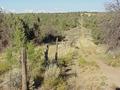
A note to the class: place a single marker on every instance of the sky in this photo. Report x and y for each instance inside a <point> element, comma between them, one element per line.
<point>20,6</point>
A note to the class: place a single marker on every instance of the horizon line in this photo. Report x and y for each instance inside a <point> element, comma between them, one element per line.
<point>43,11</point>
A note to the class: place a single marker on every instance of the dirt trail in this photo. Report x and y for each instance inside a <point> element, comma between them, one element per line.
<point>111,73</point>
<point>82,39</point>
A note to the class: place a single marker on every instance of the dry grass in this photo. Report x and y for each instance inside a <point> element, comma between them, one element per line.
<point>50,77</point>
<point>114,62</point>
<point>4,65</point>
<point>91,78</point>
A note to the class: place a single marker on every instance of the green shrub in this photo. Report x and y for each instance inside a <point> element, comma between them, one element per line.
<point>92,22</point>
<point>35,60</point>
<point>4,67</point>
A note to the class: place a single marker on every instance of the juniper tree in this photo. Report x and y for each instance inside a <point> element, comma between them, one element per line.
<point>4,31</point>
<point>111,25</point>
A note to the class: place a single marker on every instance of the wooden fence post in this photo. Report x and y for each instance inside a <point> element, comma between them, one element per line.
<point>24,68</point>
<point>56,53</point>
<point>46,55</point>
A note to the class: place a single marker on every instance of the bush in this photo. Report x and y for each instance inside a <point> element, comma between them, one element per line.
<point>92,22</point>
<point>51,77</point>
<point>50,33</point>
<point>62,86</point>
<point>4,32</point>
<point>67,59</point>
<point>110,26</point>
<point>35,61</point>
<point>4,67</point>
<point>83,62</point>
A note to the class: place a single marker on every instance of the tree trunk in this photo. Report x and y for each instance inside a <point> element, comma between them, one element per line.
<point>24,68</point>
